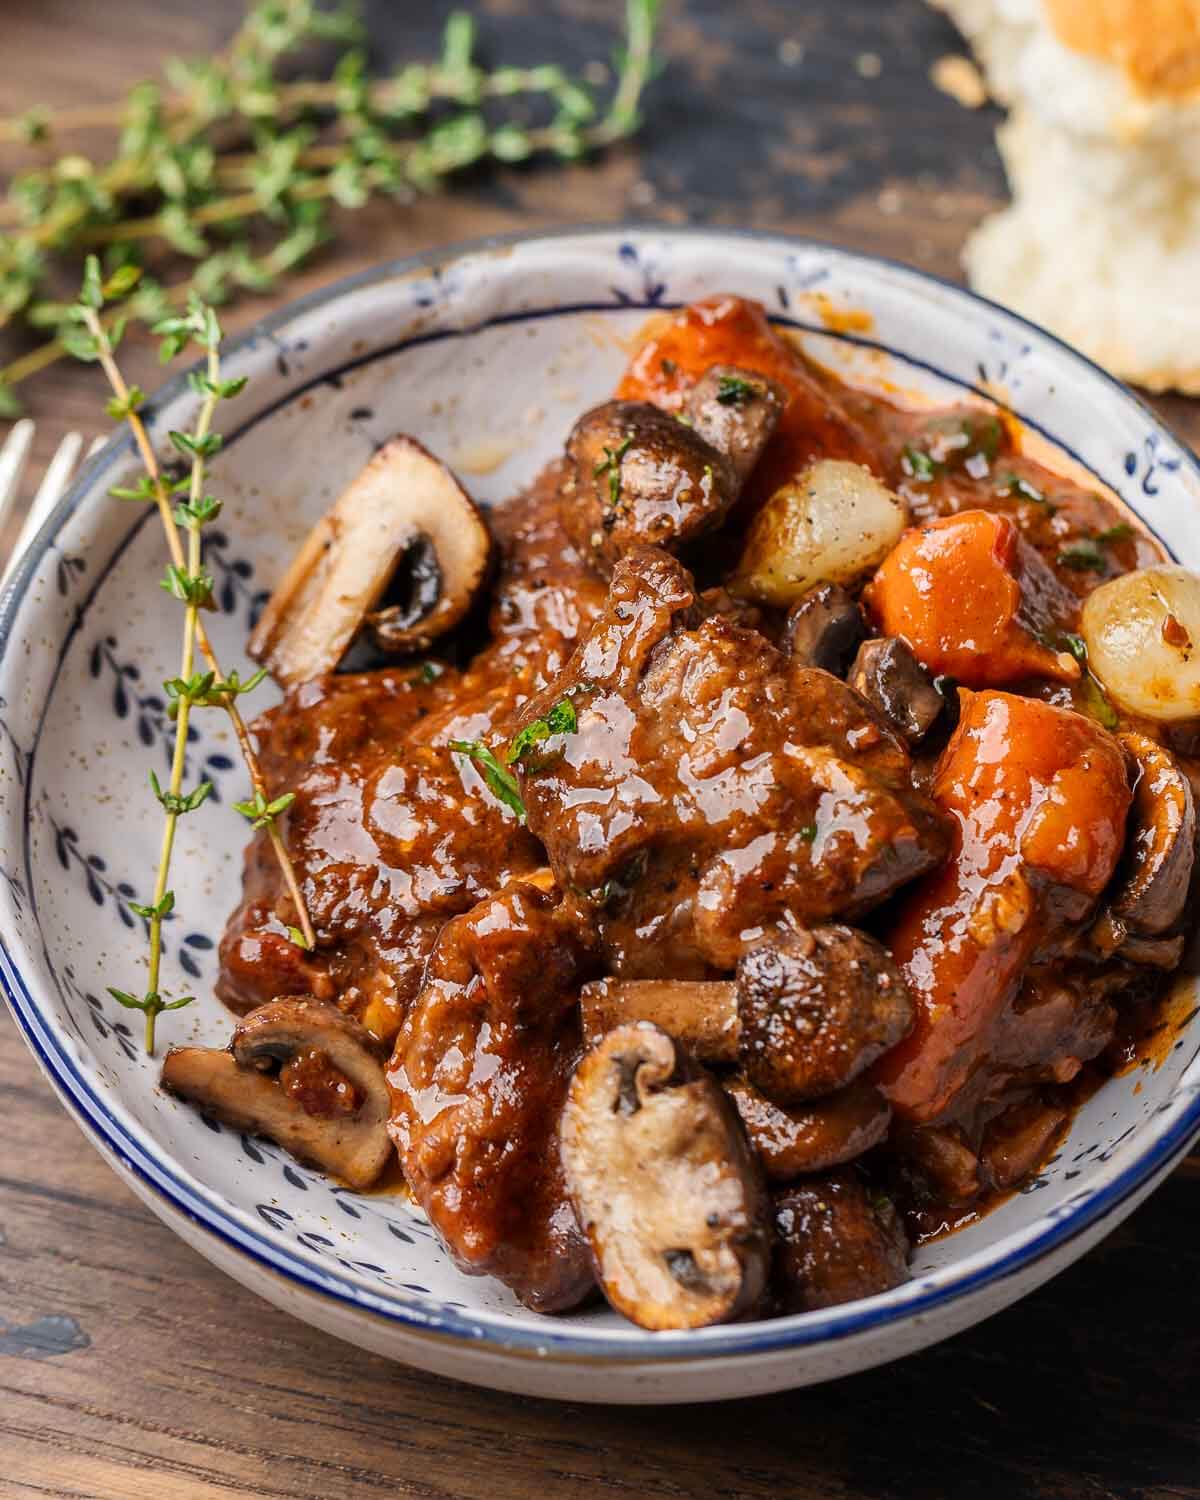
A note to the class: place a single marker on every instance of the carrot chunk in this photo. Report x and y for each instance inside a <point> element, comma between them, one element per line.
<point>678,348</point>
<point>1039,797</point>
<point>974,601</point>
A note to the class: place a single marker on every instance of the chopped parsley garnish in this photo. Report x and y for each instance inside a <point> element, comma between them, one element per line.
<point>668,367</point>
<point>610,464</point>
<point>807,832</point>
<point>968,442</point>
<point>1015,485</point>
<point>919,465</point>
<point>1095,703</point>
<point>984,436</point>
<point>732,390</point>
<point>430,671</point>
<point>1083,556</point>
<point>1091,695</point>
<point>561,719</point>
<point>500,780</point>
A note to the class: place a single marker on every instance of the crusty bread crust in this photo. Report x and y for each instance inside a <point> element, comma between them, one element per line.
<point>1155,43</point>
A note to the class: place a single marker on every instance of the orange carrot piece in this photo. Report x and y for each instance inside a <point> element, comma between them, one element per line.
<point>1039,797</point>
<point>726,330</point>
<point>971,597</point>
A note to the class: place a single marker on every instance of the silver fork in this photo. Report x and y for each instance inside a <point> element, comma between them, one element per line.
<point>59,473</point>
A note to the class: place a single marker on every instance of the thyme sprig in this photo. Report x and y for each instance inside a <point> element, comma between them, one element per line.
<point>610,464</point>
<point>92,337</point>
<point>495,770</point>
<point>237,169</point>
<point>500,781</point>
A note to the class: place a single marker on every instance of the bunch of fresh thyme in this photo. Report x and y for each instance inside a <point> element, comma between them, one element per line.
<point>234,166</point>
<point>92,336</point>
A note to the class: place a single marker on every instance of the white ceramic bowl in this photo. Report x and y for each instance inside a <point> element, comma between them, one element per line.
<point>488,353</point>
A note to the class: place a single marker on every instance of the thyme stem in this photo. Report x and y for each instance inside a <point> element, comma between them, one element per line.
<point>191,621</point>
<point>188,565</point>
<point>237,206</point>
<point>641,18</point>
<point>241,733</point>
<point>291,99</point>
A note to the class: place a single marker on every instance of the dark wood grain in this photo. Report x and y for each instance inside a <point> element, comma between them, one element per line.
<point>130,1369</point>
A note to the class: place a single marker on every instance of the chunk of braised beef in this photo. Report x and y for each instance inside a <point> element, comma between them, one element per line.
<point>737,785</point>
<point>636,476</point>
<point>891,678</point>
<point>1015,1144</point>
<point>938,1164</point>
<point>388,835</point>
<point>837,1242</point>
<point>824,629</point>
<point>736,411</point>
<point>477,1082</point>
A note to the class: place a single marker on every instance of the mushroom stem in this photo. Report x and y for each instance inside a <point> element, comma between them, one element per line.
<point>701,1013</point>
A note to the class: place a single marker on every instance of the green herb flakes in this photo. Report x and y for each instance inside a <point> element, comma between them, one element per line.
<point>500,780</point>
<point>733,390</point>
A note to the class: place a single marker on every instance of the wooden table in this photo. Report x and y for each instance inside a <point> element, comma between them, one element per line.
<point>128,1367</point>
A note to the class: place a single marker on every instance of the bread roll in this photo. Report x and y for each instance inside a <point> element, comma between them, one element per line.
<point>1102,147</point>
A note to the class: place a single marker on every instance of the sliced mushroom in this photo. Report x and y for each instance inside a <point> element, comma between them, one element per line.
<point>1162,851</point>
<point>663,1184</point>
<point>825,627</point>
<point>836,1243</point>
<point>736,411</point>
<point>700,1013</point>
<point>302,1073</point>
<point>406,525</point>
<point>1154,879</point>
<point>792,1141</point>
<point>891,678</point>
<point>816,1008</point>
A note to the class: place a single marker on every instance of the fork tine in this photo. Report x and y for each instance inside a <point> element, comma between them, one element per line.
<point>57,478</point>
<point>12,465</point>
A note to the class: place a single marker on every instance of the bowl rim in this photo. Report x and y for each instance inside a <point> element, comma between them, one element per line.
<point>436,1320</point>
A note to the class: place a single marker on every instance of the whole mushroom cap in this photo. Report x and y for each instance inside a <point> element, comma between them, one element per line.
<point>816,1008</point>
